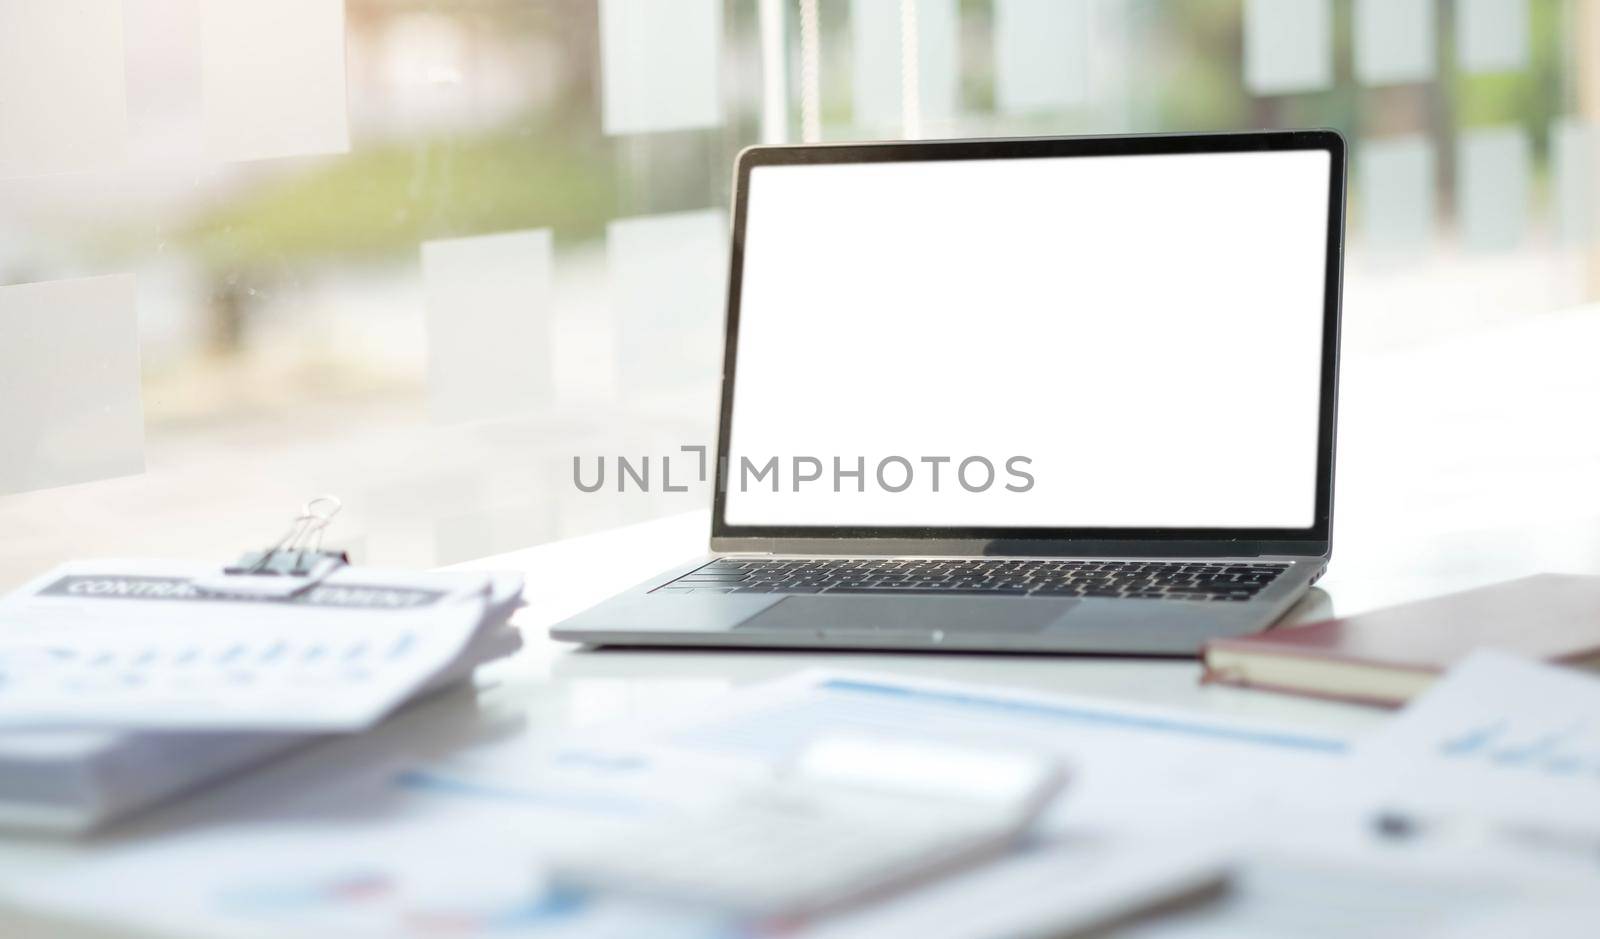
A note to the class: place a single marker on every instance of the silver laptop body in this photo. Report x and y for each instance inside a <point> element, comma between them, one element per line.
<point>1028,395</point>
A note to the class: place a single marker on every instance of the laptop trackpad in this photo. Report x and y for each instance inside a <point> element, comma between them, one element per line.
<point>914,614</point>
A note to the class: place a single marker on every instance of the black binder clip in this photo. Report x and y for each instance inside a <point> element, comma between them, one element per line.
<point>294,564</point>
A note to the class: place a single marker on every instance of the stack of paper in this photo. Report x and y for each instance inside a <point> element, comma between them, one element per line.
<point>124,682</point>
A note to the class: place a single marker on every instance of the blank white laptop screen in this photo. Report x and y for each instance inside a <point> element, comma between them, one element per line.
<point>1126,341</point>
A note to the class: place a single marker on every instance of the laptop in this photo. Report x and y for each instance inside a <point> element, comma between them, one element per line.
<point>1060,395</point>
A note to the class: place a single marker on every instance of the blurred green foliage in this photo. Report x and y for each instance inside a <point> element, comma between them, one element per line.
<point>1201,51</point>
<point>379,202</point>
<point>1531,97</point>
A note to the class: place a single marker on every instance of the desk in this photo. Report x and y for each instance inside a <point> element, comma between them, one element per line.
<point>1461,463</point>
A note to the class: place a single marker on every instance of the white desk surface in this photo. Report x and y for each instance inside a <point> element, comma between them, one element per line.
<point>1461,463</point>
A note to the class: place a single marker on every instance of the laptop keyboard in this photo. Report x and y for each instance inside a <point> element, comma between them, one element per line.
<point>1140,580</point>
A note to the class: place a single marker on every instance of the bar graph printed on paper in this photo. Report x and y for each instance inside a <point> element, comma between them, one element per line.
<point>1570,751</point>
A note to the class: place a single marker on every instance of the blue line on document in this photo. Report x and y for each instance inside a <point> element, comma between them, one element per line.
<point>426,781</point>
<point>1087,715</point>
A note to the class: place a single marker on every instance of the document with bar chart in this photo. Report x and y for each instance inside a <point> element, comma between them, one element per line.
<point>1498,737</point>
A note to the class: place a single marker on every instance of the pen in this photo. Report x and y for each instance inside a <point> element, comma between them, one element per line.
<point>1395,825</point>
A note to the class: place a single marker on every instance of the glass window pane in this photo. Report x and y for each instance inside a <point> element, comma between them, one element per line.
<point>1492,187</point>
<point>69,378</point>
<point>63,105</point>
<point>1288,45</point>
<point>274,79</point>
<point>660,65</point>
<point>1575,159</point>
<point>668,274</point>
<point>1397,191</point>
<point>1041,54</point>
<point>880,64</point>
<point>488,301</point>
<point>1492,35</point>
<point>282,301</point>
<point>1394,41</point>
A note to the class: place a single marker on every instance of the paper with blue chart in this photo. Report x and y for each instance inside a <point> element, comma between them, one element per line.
<point>453,844</point>
<point>1497,738</point>
<point>151,645</point>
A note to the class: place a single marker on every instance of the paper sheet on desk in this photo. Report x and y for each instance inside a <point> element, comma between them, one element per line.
<point>431,881</point>
<point>454,841</point>
<point>1376,895</point>
<point>134,645</point>
<point>420,854</point>
<point>409,855</point>
<point>1499,738</point>
<point>382,861</point>
<point>1132,767</point>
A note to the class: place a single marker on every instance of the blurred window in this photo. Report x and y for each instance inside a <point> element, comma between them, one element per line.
<point>423,253</point>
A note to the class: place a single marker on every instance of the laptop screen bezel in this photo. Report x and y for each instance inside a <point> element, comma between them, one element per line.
<point>1315,540</point>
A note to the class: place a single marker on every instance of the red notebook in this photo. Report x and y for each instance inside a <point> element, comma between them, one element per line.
<point>1388,655</point>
